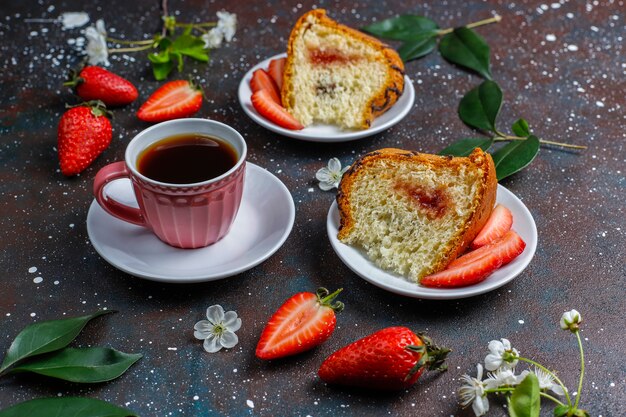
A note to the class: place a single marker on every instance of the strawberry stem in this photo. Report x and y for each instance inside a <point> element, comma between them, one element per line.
<point>433,356</point>
<point>326,299</point>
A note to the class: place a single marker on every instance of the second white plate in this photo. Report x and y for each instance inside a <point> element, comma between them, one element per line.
<point>320,132</point>
<point>359,263</point>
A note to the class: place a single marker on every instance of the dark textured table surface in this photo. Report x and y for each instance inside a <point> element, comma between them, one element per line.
<point>561,66</point>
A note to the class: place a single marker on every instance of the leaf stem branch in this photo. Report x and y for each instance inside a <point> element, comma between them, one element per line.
<point>556,378</point>
<point>494,19</point>
<point>582,369</point>
<point>126,42</point>
<point>504,137</point>
<point>134,49</point>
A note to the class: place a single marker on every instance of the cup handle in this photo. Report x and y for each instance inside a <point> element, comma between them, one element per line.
<point>112,172</point>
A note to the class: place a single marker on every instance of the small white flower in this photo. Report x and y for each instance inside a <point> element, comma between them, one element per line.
<point>213,39</point>
<point>330,176</point>
<point>227,23</point>
<point>546,381</point>
<point>502,355</point>
<point>71,20</point>
<point>501,377</point>
<point>96,44</point>
<point>219,330</point>
<point>570,320</point>
<point>473,392</point>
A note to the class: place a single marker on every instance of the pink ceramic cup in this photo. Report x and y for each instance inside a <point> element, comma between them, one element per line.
<point>182,215</point>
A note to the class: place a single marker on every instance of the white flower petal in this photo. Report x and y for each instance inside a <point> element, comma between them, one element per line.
<point>100,27</point>
<point>323,174</point>
<point>229,339</point>
<point>506,344</point>
<point>215,314</point>
<point>493,361</point>
<point>213,39</point>
<point>71,20</point>
<point>326,186</point>
<point>496,346</point>
<point>557,389</point>
<point>334,165</point>
<point>227,23</point>
<point>231,322</point>
<point>202,329</point>
<point>480,406</point>
<point>212,344</point>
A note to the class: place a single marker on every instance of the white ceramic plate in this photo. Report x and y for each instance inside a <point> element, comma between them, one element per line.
<point>326,133</point>
<point>358,261</point>
<point>264,221</point>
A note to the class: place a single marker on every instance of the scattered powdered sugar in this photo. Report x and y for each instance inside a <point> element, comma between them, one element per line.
<point>249,403</point>
<point>520,321</point>
<point>32,269</point>
<point>550,37</point>
<point>38,280</point>
<point>572,48</point>
<point>196,398</point>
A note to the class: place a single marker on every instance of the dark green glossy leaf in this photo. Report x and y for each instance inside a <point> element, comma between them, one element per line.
<point>66,407</point>
<point>162,70</point>
<point>87,365</point>
<point>178,58</point>
<point>414,49</point>
<point>515,156</point>
<point>480,107</point>
<point>525,400</point>
<point>561,410</point>
<point>403,28</point>
<point>521,128</point>
<point>46,336</point>
<point>465,146</point>
<point>468,49</point>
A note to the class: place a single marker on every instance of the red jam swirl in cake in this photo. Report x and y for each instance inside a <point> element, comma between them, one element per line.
<point>329,56</point>
<point>434,203</point>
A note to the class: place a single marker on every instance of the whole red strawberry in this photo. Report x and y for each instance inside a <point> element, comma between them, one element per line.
<point>96,83</point>
<point>84,132</point>
<point>390,359</point>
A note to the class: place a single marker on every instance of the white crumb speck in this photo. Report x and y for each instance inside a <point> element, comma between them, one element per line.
<point>550,37</point>
<point>32,269</point>
<point>249,403</point>
<point>38,280</point>
<point>520,321</point>
<point>196,398</point>
<point>572,48</point>
<point>33,314</point>
<point>599,104</point>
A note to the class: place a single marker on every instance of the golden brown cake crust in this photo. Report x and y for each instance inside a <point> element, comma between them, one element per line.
<point>381,102</point>
<point>486,194</point>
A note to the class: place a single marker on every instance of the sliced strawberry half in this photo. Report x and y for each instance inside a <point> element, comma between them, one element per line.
<point>463,275</point>
<point>507,248</point>
<point>499,223</point>
<point>173,100</point>
<point>261,80</point>
<point>275,113</point>
<point>276,70</point>
<point>304,321</point>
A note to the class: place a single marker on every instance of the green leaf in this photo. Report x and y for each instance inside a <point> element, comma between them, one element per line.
<point>66,407</point>
<point>160,57</point>
<point>161,71</point>
<point>179,60</point>
<point>46,336</point>
<point>468,49</point>
<point>88,365</point>
<point>480,107</point>
<point>561,410</point>
<point>525,400</point>
<point>190,46</point>
<point>521,128</point>
<point>515,156</point>
<point>403,28</point>
<point>465,146</point>
<point>416,48</point>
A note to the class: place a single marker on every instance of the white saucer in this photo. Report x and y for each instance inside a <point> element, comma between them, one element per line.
<point>359,263</point>
<point>320,132</point>
<point>264,221</point>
